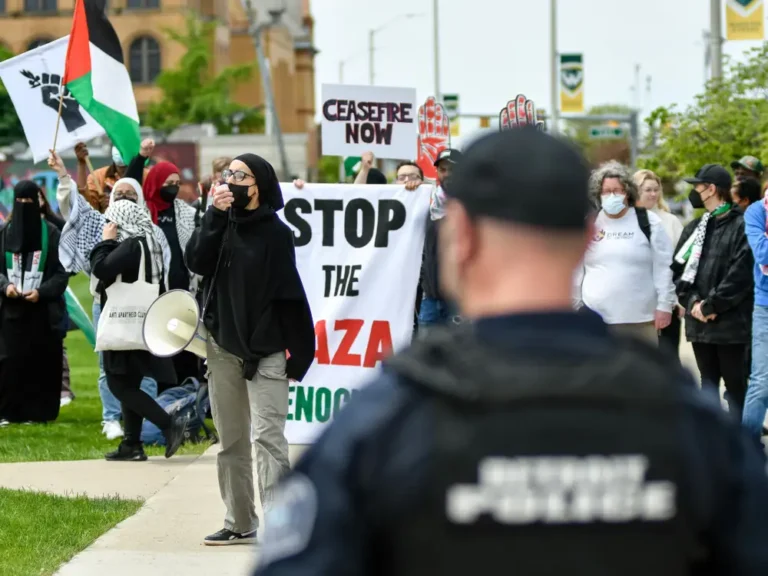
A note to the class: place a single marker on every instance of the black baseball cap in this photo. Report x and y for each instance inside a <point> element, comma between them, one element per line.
<point>449,155</point>
<point>524,176</point>
<point>711,174</point>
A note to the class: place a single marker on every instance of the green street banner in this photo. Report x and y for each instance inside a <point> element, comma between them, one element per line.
<point>572,83</point>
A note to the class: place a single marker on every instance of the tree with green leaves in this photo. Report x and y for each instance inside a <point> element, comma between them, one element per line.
<point>10,125</point>
<point>599,151</point>
<point>727,121</point>
<point>192,95</point>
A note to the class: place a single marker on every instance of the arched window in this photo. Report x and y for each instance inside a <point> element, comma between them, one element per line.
<point>144,60</point>
<point>37,42</point>
<point>143,4</point>
<point>40,6</point>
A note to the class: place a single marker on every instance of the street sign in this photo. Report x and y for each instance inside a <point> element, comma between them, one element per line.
<point>606,132</point>
<point>451,105</point>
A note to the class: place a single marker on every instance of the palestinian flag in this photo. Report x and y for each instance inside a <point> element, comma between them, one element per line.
<point>96,76</point>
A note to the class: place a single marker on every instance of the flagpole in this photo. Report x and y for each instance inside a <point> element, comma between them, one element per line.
<point>58,117</point>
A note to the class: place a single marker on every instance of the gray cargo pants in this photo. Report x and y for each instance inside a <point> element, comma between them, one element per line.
<point>235,402</point>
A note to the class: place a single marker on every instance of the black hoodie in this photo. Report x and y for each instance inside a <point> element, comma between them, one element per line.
<point>258,305</point>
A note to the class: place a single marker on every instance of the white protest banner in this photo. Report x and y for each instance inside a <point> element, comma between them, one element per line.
<point>358,250</point>
<point>361,118</point>
<point>33,81</point>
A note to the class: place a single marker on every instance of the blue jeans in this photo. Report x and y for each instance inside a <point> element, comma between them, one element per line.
<point>756,401</point>
<point>111,409</point>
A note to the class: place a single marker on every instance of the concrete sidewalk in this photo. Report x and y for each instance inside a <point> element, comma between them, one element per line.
<point>94,478</point>
<point>165,536</point>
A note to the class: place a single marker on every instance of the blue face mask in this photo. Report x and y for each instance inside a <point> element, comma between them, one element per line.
<point>116,158</point>
<point>613,204</point>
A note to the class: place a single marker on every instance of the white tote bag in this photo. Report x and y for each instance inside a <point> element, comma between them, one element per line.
<point>122,318</point>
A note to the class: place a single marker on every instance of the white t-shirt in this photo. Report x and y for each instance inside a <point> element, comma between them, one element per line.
<point>625,278</point>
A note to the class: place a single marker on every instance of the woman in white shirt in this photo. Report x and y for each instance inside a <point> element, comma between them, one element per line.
<point>651,198</point>
<point>626,276</point>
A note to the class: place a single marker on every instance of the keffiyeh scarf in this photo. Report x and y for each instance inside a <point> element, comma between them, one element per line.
<point>185,222</point>
<point>134,222</point>
<point>690,252</point>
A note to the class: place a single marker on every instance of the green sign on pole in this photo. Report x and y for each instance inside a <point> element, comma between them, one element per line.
<point>606,132</point>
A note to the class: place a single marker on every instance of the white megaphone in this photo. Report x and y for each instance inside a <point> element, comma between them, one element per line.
<point>172,324</point>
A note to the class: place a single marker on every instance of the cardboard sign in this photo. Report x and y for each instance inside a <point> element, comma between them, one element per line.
<point>434,136</point>
<point>357,119</point>
<point>518,113</point>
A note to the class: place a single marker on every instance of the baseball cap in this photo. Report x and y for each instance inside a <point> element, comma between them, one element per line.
<point>449,155</point>
<point>524,176</point>
<point>711,174</point>
<point>749,163</point>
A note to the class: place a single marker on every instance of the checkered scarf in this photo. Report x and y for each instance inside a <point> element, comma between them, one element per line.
<point>133,221</point>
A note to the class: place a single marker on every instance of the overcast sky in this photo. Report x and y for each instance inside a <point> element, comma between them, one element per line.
<point>491,50</point>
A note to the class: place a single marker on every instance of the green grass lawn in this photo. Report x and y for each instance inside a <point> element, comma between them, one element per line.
<point>39,532</point>
<point>76,435</point>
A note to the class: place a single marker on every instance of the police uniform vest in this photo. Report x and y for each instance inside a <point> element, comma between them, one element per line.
<point>547,464</point>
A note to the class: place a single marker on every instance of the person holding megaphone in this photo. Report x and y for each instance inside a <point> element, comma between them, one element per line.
<point>260,334</point>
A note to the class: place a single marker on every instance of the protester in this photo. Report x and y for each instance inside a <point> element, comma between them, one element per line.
<point>411,176</point>
<point>745,192</point>
<point>748,167</point>
<point>32,284</point>
<point>714,277</point>
<point>651,197</point>
<point>756,402</point>
<point>99,184</point>
<point>82,232</point>
<point>176,219</point>
<point>255,309</point>
<point>626,276</point>
<point>529,438</point>
<point>434,310</point>
<point>369,174</point>
<point>129,234</point>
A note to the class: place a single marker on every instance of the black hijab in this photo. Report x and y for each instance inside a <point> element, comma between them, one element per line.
<point>25,228</point>
<point>266,180</point>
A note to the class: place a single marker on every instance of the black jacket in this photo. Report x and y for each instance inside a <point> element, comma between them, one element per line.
<point>430,279</point>
<point>258,306</point>
<point>370,497</point>
<point>724,282</point>
<point>108,260</point>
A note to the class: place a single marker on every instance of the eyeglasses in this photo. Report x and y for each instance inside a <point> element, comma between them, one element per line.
<point>408,178</point>
<point>617,192</point>
<point>237,175</point>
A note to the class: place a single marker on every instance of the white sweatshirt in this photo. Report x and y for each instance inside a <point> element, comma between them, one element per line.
<point>624,278</point>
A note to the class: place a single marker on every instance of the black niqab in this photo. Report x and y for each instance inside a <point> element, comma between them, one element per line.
<point>24,229</point>
<point>266,180</point>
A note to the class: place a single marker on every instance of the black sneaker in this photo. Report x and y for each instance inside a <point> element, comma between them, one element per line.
<point>127,453</point>
<point>226,537</point>
<point>174,437</point>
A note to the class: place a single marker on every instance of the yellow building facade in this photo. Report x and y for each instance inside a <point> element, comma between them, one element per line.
<point>141,25</point>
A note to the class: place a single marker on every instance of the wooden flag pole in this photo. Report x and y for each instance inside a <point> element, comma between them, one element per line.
<point>58,118</point>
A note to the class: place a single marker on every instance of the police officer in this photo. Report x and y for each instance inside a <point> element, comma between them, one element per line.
<point>529,440</point>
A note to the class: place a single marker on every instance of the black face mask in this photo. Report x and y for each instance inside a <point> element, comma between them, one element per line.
<point>240,193</point>
<point>169,193</point>
<point>695,199</point>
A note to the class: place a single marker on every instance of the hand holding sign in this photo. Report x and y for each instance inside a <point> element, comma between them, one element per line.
<point>518,113</point>
<point>434,136</point>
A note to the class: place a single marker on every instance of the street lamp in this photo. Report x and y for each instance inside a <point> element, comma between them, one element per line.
<point>373,32</point>
<point>256,32</point>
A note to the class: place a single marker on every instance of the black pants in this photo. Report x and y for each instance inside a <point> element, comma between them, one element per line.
<point>669,339</point>
<point>726,362</point>
<point>137,405</point>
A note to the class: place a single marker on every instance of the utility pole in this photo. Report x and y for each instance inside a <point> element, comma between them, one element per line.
<point>266,80</point>
<point>370,57</point>
<point>716,38</point>
<point>554,65</point>
<point>436,47</point>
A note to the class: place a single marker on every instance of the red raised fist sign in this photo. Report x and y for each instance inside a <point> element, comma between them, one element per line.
<point>434,136</point>
<point>519,112</point>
